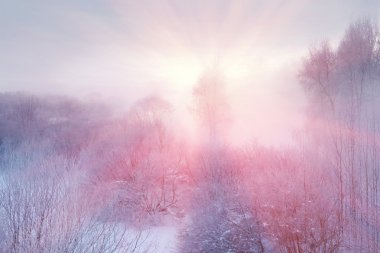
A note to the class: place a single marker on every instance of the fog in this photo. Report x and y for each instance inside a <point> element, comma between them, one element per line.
<point>189,126</point>
<point>120,51</point>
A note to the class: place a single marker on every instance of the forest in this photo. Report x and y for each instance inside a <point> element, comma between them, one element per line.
<point>79,177</point>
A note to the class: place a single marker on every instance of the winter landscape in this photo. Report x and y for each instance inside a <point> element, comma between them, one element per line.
<point>172,126</point>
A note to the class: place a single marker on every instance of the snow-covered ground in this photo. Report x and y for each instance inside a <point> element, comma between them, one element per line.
<point>163,239</point>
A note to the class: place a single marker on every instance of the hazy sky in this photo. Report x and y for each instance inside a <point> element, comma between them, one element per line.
<point>123,50</point>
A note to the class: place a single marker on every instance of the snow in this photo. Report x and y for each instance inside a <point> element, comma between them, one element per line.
<point>157,239</point>
<point>163,238</point>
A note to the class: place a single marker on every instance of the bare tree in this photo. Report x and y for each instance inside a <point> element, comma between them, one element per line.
<point>347,79</point>
<point>42,210</point>
<point>211,105</point>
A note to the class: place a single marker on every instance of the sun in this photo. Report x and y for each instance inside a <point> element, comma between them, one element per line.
<point>182,70</point>
<point>185,70</point>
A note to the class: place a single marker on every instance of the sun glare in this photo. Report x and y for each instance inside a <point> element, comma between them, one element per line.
<point>180,71</point>
<point>185,71</point>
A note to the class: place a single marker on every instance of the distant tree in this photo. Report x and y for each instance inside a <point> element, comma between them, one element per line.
<point>152,115</point>
<point>211,104</point>
<point>317,74</point>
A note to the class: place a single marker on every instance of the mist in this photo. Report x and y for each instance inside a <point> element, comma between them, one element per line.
<point>121,51</point>
<point>189,126</point>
